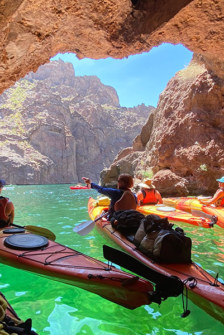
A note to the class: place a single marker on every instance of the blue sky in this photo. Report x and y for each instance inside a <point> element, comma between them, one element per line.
<point>137,79</point>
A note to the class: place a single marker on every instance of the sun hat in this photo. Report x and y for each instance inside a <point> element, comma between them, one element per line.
<point>147,183</point>
<point>2,182</point>
<point>221,180</point>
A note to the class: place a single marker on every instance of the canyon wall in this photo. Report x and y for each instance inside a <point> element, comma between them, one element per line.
<point>56,127</point>
<point>34,31</point>
<point>181,145</point>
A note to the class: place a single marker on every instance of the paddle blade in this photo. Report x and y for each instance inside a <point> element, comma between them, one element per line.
<point>41,231</point>
<point>84,228</point>
<point>169,286</point>
<point>213,219</point>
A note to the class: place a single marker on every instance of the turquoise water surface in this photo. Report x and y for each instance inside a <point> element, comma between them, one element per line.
<point>59,309</point>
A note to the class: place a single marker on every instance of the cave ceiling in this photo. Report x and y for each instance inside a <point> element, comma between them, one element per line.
<point>33,31</point>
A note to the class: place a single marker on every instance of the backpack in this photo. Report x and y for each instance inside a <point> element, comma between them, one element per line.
<point>157,239</point>
<point>149,224</point>
<point>127,222</point>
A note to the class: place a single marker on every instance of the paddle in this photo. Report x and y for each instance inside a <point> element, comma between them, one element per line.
<point>167,286</point>
<point>212,218</point>
<point>38,231</point>
<point>85,227</point>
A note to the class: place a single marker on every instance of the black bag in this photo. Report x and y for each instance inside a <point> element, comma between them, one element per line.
<point>127,222</point>
<point>157,239</point>
<point>150,223</point>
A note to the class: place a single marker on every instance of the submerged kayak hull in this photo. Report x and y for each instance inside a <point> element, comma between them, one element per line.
<point>204,294</point>
<point>174,215</point>
<point>60,263</point>
<point>193,204</point>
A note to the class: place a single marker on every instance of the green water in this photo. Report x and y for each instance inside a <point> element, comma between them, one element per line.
<point>59,309</point>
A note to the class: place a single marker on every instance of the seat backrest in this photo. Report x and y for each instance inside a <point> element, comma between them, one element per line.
<point>127,201</point>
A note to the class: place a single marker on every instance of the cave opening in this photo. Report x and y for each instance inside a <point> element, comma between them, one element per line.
<point>80,114</point>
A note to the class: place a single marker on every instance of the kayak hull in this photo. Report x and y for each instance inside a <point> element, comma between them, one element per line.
<point>60,263</point>
<point>208,297</point>
<point>193,204</point>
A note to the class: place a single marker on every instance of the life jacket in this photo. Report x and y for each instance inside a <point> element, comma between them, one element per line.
<point>127,201</point>
<point>149,197</point>
<point>4,220</point>
<point>220,202</point>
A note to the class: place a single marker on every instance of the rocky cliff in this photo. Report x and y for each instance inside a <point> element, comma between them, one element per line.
<point>181,145</point>
<point>33,32</point>
<point>57,127</point>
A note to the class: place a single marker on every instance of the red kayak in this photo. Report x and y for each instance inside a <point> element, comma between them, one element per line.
<point>79,187</point>
<point>47,258</point>
<point>203,289</point>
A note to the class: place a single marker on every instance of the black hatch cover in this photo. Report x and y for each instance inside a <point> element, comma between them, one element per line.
<point>26,241</point>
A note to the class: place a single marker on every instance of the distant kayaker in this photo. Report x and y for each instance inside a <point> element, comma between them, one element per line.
<point>122,198</point>
<point>148,195</point>
<point>218,197</point>
<point>7,211</point>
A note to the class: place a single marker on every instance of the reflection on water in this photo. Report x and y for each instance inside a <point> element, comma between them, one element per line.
<point>59,309</point>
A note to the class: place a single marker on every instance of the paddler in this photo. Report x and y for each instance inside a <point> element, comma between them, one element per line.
<point>7,211</point>
<point>148,195</point>
<point>218,197</point>
<point>122,198</point>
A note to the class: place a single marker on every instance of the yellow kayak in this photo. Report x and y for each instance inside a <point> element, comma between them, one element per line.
<point>193,204</point>
<point>175,215</point>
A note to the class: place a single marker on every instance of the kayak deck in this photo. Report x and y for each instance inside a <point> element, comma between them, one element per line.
<point>60,263</point>
<point>175,215</point>
<point>203,289</point>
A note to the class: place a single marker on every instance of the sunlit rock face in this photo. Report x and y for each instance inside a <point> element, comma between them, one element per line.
<point>181,145</point>
<point>31,32</point>
<point>56,127</point>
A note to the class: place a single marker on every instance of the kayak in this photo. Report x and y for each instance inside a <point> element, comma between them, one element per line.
<point>193,204</point>
<point>203,289</point>
<point>79,187</point>
<point>175,215</point>
<point>47,258</point>
<point>10,322</point>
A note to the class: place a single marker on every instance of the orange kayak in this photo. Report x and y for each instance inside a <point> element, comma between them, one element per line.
<point>203,289</point>
<point>175,215</point>
<point>47,258</point>
<point>193,204</point>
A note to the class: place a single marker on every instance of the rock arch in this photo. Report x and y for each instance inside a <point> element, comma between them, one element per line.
<point>31,32</point>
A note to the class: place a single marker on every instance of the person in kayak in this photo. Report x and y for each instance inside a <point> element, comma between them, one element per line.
<point>122,198</point>
<point>218,197</point>
<point>7,211</point>
<point>148,195</point>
